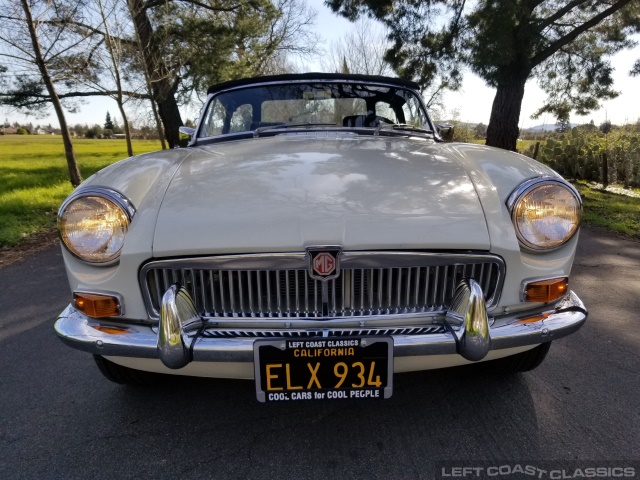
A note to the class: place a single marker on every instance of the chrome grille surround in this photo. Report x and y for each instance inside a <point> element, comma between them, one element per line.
<point>377,290</point>
<point>216,333</point>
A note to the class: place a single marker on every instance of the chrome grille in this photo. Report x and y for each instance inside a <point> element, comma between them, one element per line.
<point>213,333</point>
<point>279,285</point>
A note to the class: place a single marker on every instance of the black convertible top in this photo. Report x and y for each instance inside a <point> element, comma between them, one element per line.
<point>312,76</point>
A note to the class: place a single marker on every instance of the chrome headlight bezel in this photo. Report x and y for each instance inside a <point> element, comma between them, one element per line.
<point>522,191</point>
<point>113,196</point>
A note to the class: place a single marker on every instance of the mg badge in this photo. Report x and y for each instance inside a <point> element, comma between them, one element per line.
<point>324,262</point>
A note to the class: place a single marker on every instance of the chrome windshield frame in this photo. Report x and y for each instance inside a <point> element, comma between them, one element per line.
<point>196,139</point>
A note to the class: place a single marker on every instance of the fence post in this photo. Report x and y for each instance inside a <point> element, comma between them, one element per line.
<point>605,171</point>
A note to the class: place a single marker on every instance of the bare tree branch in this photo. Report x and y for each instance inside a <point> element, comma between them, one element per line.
<point>157,3</point>
<point>16,46</point>
<point>103,93</point>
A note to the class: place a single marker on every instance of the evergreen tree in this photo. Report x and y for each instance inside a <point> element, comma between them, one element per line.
<point>108,123</point>
<point>345,66</point>
<point>565,44</point>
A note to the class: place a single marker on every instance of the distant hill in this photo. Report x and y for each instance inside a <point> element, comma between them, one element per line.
<point>547,127</point>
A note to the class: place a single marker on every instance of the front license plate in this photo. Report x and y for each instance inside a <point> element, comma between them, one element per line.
<point>323,368</point>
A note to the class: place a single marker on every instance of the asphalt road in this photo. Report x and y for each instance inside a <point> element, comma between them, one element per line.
<point>60,419</point>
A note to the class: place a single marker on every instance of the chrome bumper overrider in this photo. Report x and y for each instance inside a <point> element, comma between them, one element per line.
<point>178,339</point>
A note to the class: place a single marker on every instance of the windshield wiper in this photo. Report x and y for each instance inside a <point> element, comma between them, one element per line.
<point>259,130</point>
<point>401,126</point>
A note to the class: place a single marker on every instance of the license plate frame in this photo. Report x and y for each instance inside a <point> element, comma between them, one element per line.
<point>289,370</point>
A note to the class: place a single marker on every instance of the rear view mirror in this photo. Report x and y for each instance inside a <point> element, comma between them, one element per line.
<point>185,135</point>
<point>445,131</point>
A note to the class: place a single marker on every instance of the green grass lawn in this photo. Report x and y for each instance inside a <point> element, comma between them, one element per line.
<point>620,213</point>
<point>34,179</point>
<point>522,145</point>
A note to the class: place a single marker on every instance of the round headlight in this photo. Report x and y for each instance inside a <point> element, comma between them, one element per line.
<point>545,213</point>
<point>93,224</point>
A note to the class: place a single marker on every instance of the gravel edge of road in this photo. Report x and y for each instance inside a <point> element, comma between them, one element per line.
<point>31,246</point>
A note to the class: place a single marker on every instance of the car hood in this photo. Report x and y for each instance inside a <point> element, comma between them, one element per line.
<point>286,192</point>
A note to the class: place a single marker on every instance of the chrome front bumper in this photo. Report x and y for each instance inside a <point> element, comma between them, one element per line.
<point>176,342</point>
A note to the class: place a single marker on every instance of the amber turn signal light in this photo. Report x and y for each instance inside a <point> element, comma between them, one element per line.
<point>96,306</point>
<point>546,290</point>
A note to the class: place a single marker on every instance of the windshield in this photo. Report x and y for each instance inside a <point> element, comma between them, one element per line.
<point>344,105</point>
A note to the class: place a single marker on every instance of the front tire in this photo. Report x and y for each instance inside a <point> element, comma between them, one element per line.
<point>124,375</point>
<point>521,362</point>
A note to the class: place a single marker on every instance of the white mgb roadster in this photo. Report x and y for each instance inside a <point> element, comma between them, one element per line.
<point>318,235</point>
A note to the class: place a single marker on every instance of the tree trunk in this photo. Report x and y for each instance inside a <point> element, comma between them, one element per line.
<point>536,150</point>
<point>156,118</point>
<point>115,62</point>
<point>154,109</point>
<point>127,129</point>
<point>503,131</point>
<point>163,83</point>
<point>171,119</point>
<point>74,173</point>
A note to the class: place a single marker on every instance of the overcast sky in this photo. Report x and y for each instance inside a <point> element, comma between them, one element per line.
<point>472,102</point>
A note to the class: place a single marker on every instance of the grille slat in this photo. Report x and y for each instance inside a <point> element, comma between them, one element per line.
<point>293,293</point>
<point>278,294</point>
<point>419,287</point>
<point>362,290</point>
<point>269,307</point>
<point>379,306</point>
<point>212,298</point>
<point>216,333</point>
<point>158,291</point>
<point>221,288</point>
<point>306,295</point>
<point>250,292</point>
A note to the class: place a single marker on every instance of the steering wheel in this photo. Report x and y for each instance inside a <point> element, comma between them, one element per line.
<point>375,120</point>
<point>385,120</point>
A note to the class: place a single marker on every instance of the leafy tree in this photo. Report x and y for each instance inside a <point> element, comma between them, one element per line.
<point>116,54</point>
<point>563,125</point>
<point>562,118</point>
<point>480,131</point>
<point>80,129</point>
<point>606,126</point>
<point>66,53</point>
<point>565,44</point>
<point>187,45</point>
<point>462,133</point>
<point>108,123</point>
<point>171,48</point>
<point>588,127</point>
<point>94,132</point>
<point>35,44</point>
